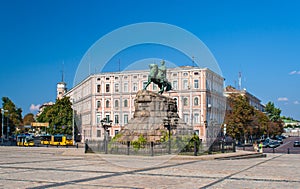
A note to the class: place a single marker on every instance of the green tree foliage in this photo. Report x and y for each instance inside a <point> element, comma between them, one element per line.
<point>239,116</point>
<point>243,121</point>
<point>272,112</point>
<point>28,119</point>
<point>59,117</point>
<point>14,115</point>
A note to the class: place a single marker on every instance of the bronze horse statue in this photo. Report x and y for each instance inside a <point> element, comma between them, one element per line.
<point>158,76</point>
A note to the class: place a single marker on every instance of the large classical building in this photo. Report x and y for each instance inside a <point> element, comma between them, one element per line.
<point>253,100</point>
<point>198,92</point>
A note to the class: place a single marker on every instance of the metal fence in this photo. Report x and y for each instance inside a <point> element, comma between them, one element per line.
<point>155,149</point>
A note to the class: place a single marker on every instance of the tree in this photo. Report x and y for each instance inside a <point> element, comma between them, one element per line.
<point>276,125</point>
<point>239,117</point>
<point>59,116</point>
<point>28,119</point>
<point>13,116</point>
<point>272,112</point>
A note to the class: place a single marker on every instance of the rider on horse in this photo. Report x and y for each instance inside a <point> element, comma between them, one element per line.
<point>158,75</point>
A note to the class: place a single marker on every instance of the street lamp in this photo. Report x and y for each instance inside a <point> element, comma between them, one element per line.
<point>170,125</point>
<point>73,124</point>
<point>2,126</point>
<point>106,123</point>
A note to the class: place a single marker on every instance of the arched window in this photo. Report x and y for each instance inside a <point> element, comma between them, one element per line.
<point>185,101</point>
<point>98,104</point>
<point>116,103</point>
<point>196,101</point>
<point>107,105</point>
<point>125,103</point>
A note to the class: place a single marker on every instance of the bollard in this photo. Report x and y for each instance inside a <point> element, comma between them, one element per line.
<point>223,149</point>
<point>128,147</point>
<point>288,150</point>
<point>77,145</point>
<point>152,151</point>
<point>195,148</point>
<point>234,149</point>
<point>273,150</point>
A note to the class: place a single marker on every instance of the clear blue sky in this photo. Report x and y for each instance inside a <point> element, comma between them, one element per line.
<point>261,39</point>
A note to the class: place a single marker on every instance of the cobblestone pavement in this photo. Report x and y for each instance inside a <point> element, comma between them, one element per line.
<point>71,168</point>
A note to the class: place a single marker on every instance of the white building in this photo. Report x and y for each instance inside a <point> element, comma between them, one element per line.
<point>199,95</point>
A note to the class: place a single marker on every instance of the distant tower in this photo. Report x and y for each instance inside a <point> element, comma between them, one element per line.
<point>61,87</point>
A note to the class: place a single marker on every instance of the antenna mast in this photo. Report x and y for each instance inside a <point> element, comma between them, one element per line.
<point>240,80</point>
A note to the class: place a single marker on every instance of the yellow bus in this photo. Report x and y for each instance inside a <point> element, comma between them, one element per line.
<point>45,139</point>
<point>69,140</point>
<point>58,140</point>
<point>24,140</point>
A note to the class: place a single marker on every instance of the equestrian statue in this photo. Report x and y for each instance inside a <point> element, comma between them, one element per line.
<point>158,75</point>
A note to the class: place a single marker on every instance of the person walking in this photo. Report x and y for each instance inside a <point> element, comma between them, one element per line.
<point>260,146</point>
<point>255,146</point>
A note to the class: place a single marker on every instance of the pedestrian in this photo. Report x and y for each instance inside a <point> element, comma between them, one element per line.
<point>260,146</point>
<point>255,146</point>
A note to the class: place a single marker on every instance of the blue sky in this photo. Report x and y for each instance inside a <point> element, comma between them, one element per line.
<point>261,39</point>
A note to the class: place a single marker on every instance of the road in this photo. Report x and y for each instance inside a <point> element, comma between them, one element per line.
<point>287,146</point>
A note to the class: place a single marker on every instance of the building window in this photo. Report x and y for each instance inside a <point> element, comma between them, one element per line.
<point>125,103</point>
<point>175,85</point>
<point>107,78</point>
<point>107,88</point>
<point>107,105</point>
<point>116,132</point>
<point>116,119</point>
<point>185,101</point>
<point>116,104</point>
<point>197,132</point>
<point>196,83</point>
<point>125,87</point>
<point>185,84</point>
<point>196,118</point>
<point>185,74</point>
<point>107,118</point>
<point>98,88</point>
<point>125,119</point>
<point>98,119</point>
<point>186,118</point>
<point>196,101</point>
<point>116,87</point>
<point>98,133</point>
<point>98,104</point>
<point>135,87</point>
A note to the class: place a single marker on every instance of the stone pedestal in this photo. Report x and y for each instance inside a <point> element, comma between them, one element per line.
<point>152,112</point>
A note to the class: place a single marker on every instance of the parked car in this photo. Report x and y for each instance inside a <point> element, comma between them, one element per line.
<point>296,143</point>
<point>273,144</point>
<point>279,139</point>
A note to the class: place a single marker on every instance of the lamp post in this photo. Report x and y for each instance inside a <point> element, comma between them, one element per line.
<point>2,126</point>
<point>73,124</point>
<point>170,125</point>
<point>7,127</point>
<point>106,123</point>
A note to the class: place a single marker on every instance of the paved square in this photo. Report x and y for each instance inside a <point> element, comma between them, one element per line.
<point>71,168</point>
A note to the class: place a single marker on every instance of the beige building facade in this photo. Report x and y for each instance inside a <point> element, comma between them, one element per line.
<point>197,91</point>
